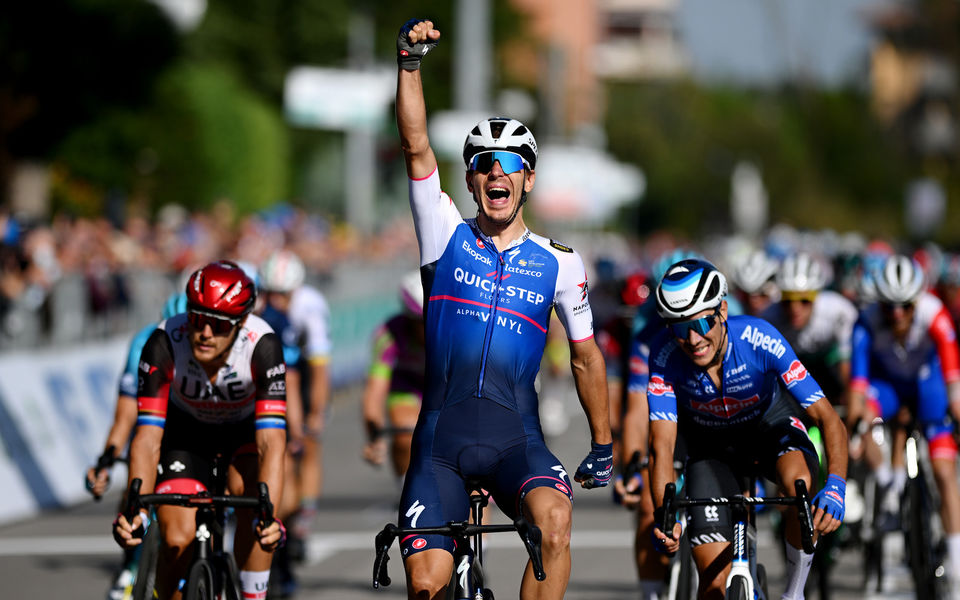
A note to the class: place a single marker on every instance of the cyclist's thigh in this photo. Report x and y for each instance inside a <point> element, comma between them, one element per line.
<point>933,401</point>
<point>523,468</point>
<point>708,477</point>
<point>433,495</point>
<point>783,433</point>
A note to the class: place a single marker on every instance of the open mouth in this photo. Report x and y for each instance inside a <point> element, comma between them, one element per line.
<point>498,195</point>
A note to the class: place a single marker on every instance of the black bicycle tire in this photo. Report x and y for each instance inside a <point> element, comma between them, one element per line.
<point>762,580</point>
<point>920,551</point>
<point>738,589</point>
<point>199,585</point>
<point>231,575</point>
<point>685,583</point>
<point>146,577</point>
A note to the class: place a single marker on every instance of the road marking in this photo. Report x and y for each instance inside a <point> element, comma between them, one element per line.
<point>321,546</point>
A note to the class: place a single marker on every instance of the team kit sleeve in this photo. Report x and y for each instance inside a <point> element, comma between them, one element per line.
<point>860,358</point>
<point>571,298</point>
<point>155,372</point>
<point>660,394</point>
<point>435,216</point>
<point>269,373</point>
<point>944,337</point>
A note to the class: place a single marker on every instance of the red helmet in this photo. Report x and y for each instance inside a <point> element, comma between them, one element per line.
<point>221,287</point>
<point>635,289</point>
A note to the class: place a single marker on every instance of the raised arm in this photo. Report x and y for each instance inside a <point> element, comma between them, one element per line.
<point>415,39</point>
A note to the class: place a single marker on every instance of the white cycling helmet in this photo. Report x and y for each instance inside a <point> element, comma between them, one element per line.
<point>802,272</point>
<point>501,133</point>
<point>411,293</point>
<point>689,287</point>
<point>282,271</point>
<point>754,272</point>
<point>899,281</point>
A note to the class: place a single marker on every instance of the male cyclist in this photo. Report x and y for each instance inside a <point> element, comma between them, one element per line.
<point>490,285</point>
<point>210,385</point>
<point>753,277</point>
<point>394,388</point>
<point>818,323</point>
<point>282,277</point>
<point>733,388</point>
<point>906,366</point>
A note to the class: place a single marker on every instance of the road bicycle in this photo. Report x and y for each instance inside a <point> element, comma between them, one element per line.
<point>213,571</point>
<point>467,581</point>
<point>747,579</point>
<point>917,518</point>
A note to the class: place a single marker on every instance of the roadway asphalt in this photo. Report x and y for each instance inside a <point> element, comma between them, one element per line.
<point>70,553</point>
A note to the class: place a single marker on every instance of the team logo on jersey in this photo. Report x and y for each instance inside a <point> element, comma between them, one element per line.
<point>479,243</point>
<point>476,255</point>
<point>796,372</point>
<point>725,407</point>
<point>277,370</point>
<point>419,544</point>
<point>561,247</point>
<point>795,422</point>
<point>658,387</point>
<point>758,339</point>
<point>583,289</point>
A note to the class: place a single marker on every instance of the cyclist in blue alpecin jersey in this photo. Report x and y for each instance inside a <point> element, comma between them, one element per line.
<point>733,388</point>
<point>490,286</point>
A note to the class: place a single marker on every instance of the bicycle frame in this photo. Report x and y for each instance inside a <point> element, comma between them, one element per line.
<point>744,564</point>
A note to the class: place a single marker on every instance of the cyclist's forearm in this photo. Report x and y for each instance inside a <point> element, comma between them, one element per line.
<point>124,419</point>
<point>144,456</point>
<point>953,393</point>
<point>271,446</point>
<point>319,386</point>
<point>590,377</point>
<point>834,436</point>
<point>663,438</point>
<point>375,404</point>
<point>636,426</point>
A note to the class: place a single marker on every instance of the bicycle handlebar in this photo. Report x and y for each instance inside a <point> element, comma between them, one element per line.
<point>137,501</point>
<point>801,500</point>
<point>530,535</point>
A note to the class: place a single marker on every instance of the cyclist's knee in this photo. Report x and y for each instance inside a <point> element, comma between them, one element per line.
<point>426,578</point>
<point>555,523</point>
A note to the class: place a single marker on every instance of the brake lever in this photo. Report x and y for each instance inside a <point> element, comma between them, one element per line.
<point>532,537</point>
<point>382,545</point>
<point>806,519</point>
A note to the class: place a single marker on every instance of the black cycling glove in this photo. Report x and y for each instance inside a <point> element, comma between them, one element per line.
<point>409,55</point>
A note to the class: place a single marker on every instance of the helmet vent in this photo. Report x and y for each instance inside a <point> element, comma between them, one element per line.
<point>496,129</point>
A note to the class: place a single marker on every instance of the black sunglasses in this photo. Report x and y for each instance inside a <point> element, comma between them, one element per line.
<point>219,324</point>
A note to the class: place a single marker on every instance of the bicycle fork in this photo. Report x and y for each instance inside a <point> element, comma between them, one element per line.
<point>744,557</point>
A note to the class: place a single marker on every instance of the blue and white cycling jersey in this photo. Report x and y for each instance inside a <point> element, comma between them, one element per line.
<point>488,309</point>
<point>758,366</point>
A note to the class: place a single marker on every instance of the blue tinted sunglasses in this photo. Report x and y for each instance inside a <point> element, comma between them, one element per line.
<point>510,162</point>
<point>701,326</point>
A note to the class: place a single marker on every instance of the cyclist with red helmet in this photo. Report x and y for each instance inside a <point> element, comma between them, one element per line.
<point>211,383</point>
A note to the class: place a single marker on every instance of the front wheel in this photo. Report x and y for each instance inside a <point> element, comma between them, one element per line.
<point>199,584</point>
<point>737,589</point>
<point>147,565</point>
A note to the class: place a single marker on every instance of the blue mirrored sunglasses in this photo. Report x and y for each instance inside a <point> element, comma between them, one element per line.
<point>510,162</point>
<point>701,326</point>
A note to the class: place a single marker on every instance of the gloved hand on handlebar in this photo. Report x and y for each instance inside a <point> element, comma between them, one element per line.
<point>829,501</point>
<point>596,468</point>
<point>409,54</point>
